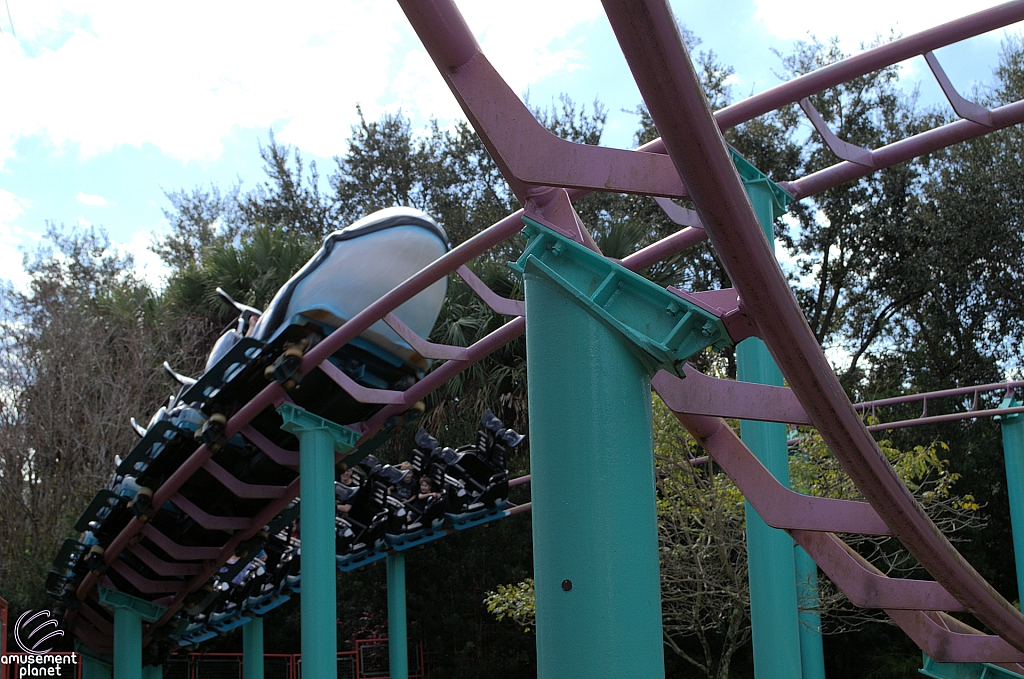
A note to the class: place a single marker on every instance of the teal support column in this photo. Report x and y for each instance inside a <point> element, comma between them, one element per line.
<point>127,644</point>
<point>1013,457</point>
<point>398,634</point>
<point>812,653</point>
<point>771,560</point>
<point>93,665</point>
<point>252,648</point>
<point>595,334</point>
<point>319,439</point>
<point>596,569</point>
<point>94,669</point>
<point>129,612</point>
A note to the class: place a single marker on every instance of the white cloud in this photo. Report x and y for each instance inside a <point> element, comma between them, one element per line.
<point>94,200</point>
<point>11,207</point>
<point>182,76</point>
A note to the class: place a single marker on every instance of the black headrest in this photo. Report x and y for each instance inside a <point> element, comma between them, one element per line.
<point>392,475</point>
<point>424,440</point>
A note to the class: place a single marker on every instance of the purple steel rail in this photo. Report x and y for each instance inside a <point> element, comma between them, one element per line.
<point>924,418</point>
<point>530,156</point>
<point>704,395</point>
<point>901,151</point>
<point>533,160</point>
<point>865,585</point>
<point>872,60</point>
<point>647,32</point>
<point>776,504</point>
<point>951,417</point>
<point>161,567</point>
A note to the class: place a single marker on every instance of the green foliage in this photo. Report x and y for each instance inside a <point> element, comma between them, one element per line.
<point>251,271</point>
<point>515,602</point>
<point>814,471</point>
<point>198,219</point>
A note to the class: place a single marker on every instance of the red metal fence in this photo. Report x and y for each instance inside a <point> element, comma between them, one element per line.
<point>368,660</point>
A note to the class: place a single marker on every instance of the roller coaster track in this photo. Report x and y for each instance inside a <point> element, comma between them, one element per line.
<point>691,161</point>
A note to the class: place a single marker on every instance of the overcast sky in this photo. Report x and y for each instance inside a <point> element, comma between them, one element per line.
<point>105,105</point>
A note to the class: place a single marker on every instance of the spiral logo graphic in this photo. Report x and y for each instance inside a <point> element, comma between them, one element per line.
<point>33,629</point>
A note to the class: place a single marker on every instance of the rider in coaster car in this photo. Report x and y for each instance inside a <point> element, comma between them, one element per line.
<point>419,503</point>
<point>405,489</point>
<point>345,490</point>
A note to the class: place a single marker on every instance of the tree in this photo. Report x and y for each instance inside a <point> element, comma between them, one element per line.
<point>199,219</point>
<point>81,354</point>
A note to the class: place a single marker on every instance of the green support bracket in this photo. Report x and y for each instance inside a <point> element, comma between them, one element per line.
<point>113,599</point>
<point>664,329</point>
<point>754,179</point>
<point>595,335</point>
<point>297,421</point>
<point>129,612</point>
<point>319,440</point>
<point>958,670</point>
